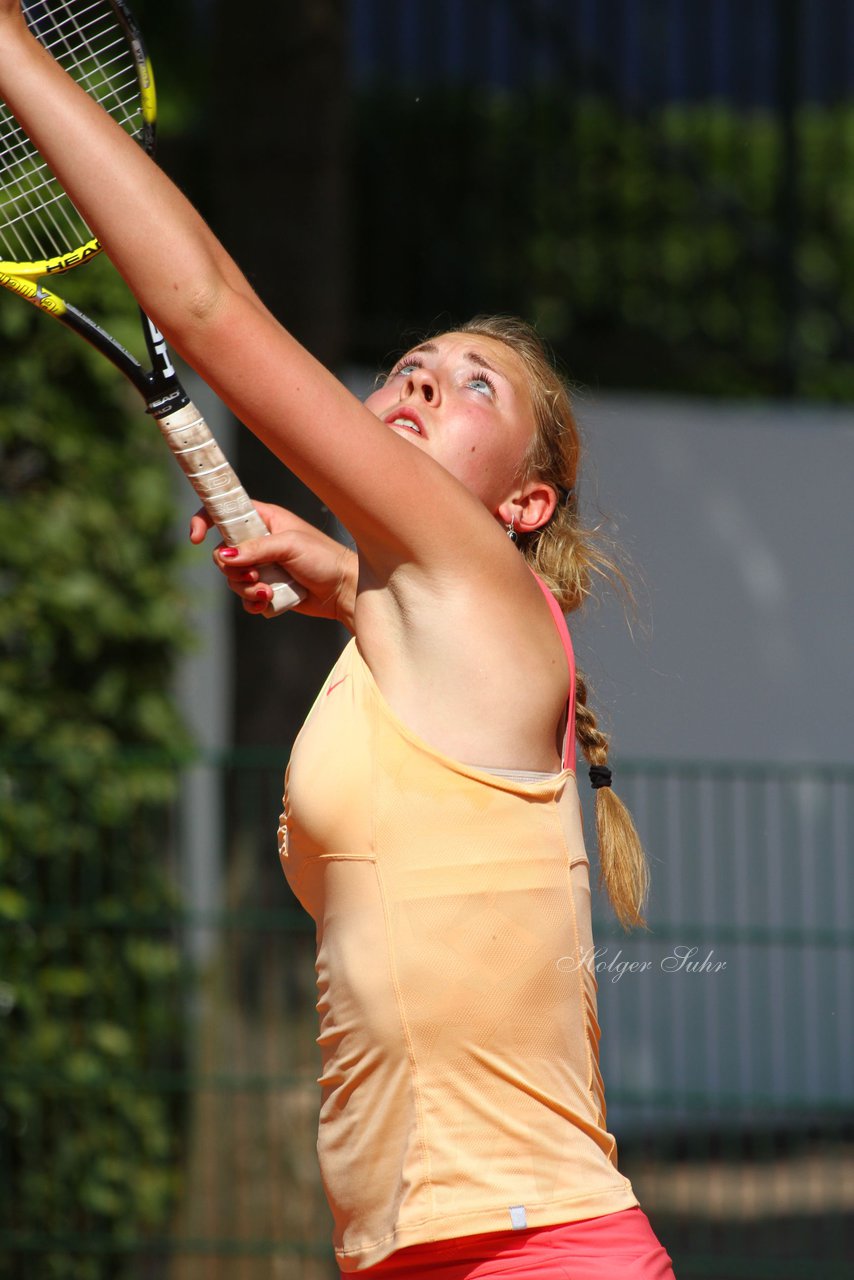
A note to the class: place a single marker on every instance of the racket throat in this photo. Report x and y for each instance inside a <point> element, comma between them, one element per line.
<point>164,394</point>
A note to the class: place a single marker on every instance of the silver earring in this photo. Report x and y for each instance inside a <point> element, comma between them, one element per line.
<point>511,530</point>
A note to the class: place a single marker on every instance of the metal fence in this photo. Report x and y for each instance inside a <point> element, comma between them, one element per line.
<point>727,1030</point>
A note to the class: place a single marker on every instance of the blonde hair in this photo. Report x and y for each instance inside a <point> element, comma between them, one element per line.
<point>569,557</point>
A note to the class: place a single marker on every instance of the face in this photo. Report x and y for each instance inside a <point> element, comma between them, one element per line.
<point>463,399</point>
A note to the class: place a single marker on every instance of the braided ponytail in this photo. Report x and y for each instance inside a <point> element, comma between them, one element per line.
<point>568,556</point>
<point>623,867</point>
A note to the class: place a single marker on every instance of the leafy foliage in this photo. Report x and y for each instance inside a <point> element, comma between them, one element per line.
<point>90,619</point>
<point>687,249</point>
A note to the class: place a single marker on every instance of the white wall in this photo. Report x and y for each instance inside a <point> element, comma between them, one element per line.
<point>741,520</point>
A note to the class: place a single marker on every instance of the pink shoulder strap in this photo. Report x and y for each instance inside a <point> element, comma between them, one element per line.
<point>563,632</point>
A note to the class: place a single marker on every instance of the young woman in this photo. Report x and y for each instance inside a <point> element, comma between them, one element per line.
<point>431,822</point>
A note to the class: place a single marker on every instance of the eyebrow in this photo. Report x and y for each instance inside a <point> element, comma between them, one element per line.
<point>473,357</point>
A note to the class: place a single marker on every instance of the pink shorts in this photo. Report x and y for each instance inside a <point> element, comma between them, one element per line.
<point>616,1246</point>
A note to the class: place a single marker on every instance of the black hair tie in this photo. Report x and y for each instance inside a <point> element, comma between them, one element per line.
<point>600,776</point>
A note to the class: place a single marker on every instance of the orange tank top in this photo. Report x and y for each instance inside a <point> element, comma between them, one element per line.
<point>461,1091</point>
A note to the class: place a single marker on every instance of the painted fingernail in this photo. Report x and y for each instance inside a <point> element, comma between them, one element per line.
<point>228,553</point>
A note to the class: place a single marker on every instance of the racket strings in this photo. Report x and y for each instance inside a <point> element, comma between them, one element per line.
<point>96,54</point>
<point>37,219</point>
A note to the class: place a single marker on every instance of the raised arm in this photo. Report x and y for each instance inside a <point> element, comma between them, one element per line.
<point>163,248</point>
<point>396,501</point>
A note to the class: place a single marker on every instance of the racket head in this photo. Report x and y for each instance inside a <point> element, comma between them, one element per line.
<point>99,44</point>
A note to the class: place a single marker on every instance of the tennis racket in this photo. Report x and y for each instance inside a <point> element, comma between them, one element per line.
<point>42,235</point>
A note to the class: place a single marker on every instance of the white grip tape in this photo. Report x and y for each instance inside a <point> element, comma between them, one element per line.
<point>225,500</point>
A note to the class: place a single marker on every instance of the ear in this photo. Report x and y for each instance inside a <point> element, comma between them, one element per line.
<point>530,507</point>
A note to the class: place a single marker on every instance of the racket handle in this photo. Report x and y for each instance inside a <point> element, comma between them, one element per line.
<point>225,500</point>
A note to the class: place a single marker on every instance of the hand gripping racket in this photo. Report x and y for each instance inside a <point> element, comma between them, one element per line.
<point>41,235</point>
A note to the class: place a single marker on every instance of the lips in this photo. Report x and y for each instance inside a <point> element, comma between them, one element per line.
<point>407,420</point>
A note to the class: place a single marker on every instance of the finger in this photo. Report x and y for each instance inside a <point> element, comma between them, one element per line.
<point>241,581</point>
<point>260,597</point>
<point>274,549</point>
<point>237,576</point>
<point>200,526</point>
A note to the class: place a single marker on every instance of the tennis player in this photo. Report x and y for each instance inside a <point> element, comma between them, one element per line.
<point>431,819</point>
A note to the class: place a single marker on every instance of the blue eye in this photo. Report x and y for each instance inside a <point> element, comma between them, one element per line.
<point>482,383</point>
<point>406,366</point>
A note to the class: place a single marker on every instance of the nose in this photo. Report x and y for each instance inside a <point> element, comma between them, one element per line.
<point>421,383</point>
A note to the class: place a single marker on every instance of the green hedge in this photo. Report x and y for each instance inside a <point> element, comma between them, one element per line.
<point>90,620</point>
<point>661,251</point>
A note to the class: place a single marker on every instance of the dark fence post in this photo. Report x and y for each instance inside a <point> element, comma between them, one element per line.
<point>790,15</point>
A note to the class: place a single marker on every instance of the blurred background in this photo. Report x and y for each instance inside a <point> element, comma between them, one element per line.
<point>665,187</point>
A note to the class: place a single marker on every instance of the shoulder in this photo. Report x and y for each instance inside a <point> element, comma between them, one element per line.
<point>474,663</point>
